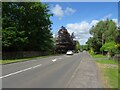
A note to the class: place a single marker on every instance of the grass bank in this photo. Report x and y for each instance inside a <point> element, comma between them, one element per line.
<point>98,56</point>
<point>109,70</point>
<point>19,60</point>
<point>22,60</point>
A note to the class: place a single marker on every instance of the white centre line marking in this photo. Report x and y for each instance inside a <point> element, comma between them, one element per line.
<point>54,60</point>
<point>20,71</point>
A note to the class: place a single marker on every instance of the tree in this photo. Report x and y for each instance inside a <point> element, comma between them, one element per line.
<point>104,31</point>
<point>77,46</point>
<point>26,26</point>
<point>108,46</point>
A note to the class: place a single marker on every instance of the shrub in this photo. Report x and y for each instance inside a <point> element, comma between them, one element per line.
<point>91,51</point>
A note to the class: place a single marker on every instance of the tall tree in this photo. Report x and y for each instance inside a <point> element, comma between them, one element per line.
<point>26,26</point>
<point>77,45</point>
<point>104,31</point>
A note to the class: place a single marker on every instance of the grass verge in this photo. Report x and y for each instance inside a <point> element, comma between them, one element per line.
<point>98,56</point>
<point>112,75</point>
<point>109,71</point>
<point>107,62</point>
<point>21,60</point>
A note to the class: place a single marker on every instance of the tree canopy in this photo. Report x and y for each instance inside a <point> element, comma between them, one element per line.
<point>110,46</point>
<point>77,45</point>
<point>104,32</point>
<point>26,26</point>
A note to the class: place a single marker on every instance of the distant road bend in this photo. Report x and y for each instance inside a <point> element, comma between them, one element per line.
<point>50,72</point>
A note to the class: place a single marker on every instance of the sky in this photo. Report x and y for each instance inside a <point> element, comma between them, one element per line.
<point>79,17</point>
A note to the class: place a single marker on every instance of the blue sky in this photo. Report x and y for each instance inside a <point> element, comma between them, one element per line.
<point>78,17</point>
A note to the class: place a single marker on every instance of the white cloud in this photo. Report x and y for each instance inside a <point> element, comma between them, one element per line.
<point>107,16</point>
<point>69,11</point>
<point>53,35</point>
<point>81,30</point>
<point>116,21</point>
<point>57,11</point>
<point>94,22</point>
<point>78,27</point>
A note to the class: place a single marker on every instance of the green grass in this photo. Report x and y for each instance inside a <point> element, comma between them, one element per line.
<point>25,59</point>
<point>10,61</point>
<point>98,56</point>
<point>21,60</point>
<point>107,61</point>
<point>103,59</point>
<point>111,74</point>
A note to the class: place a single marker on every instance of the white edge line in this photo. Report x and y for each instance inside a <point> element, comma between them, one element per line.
<point>20,71</point>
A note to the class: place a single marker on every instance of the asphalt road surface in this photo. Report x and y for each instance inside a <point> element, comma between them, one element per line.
<point>50,72</point>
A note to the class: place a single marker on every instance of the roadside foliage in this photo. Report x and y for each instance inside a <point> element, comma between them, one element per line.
<point>26,26</point>
<point>104,37</point>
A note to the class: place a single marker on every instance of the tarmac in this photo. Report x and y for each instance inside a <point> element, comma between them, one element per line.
<point>87,75</point>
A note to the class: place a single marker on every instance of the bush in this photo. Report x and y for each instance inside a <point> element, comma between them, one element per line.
<point>110,47</point>
<point>91,51</point>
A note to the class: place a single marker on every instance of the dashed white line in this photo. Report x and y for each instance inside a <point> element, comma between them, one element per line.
<point>20,71</point>
<point>54,60</point>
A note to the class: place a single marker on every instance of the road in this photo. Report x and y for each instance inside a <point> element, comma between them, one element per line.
<point>49,72</point>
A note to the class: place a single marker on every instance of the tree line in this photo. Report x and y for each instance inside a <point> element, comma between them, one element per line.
<point>26,26</point>
<point>103,40</point>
